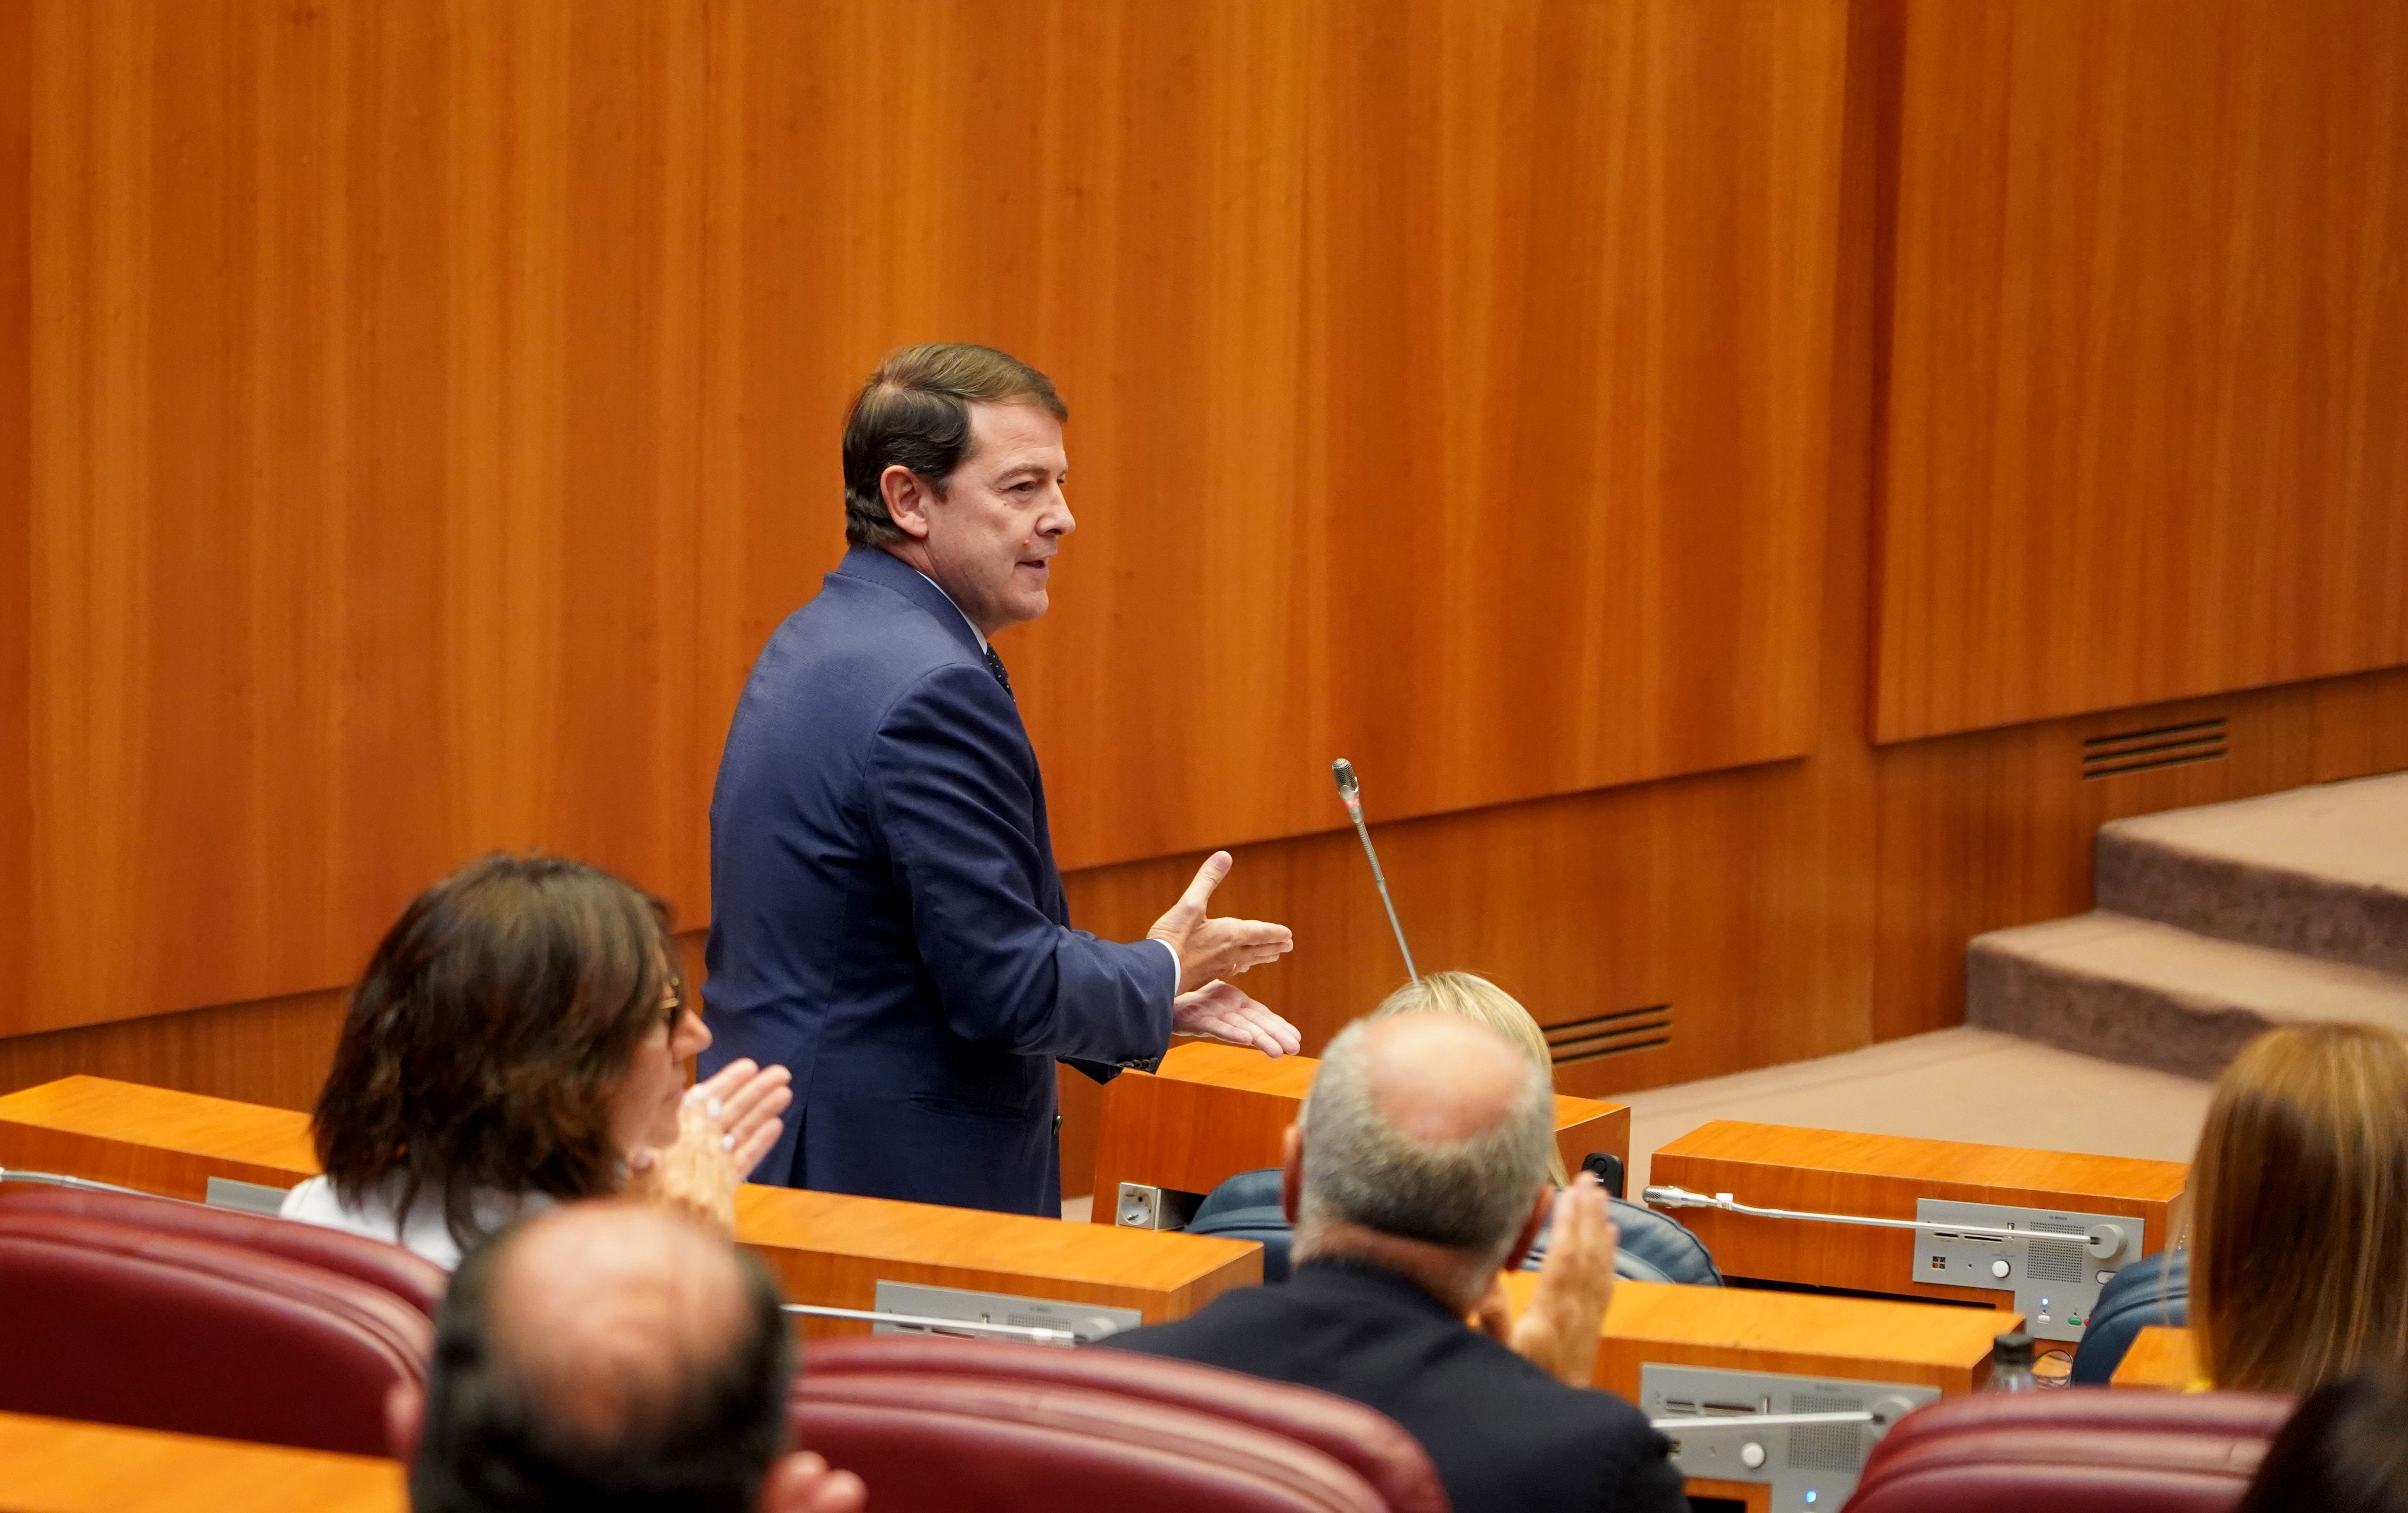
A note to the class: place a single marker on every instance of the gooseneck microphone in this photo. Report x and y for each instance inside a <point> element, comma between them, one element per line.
<point>1351,793</point>
<point>2098,1241</point>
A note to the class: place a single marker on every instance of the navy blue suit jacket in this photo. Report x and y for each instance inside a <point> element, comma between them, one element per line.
<point>887,920</point>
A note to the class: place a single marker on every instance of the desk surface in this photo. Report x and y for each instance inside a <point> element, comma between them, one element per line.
<point>52,1466</point>
<point>2041,1177</point>
<point>826,1247</point>
<point>1800,1333</point>
<point>1211,1111</point>
<point>2160,1360</point>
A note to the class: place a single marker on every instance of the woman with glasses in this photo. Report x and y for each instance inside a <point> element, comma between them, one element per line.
<point>519,1040</point>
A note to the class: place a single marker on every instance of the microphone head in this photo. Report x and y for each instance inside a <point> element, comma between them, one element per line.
<point>1343,771</point>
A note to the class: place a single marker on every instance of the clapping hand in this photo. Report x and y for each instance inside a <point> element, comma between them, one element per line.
<point>1559,1332</point>
<point>1210,949</point>
<point>725,1125</point>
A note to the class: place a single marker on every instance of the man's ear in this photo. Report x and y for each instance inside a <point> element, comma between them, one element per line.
<point>405,1418</point>
<point>908,496</point>
<point>1291,1173</point>
<point>1541,1207</point>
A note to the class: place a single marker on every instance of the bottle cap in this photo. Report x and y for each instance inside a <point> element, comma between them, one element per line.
<point>2013,1348</point>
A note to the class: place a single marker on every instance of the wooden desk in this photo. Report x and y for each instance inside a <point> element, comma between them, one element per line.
<point>1798,1333</point>
<point>1881,1176</point>
<point>1795,1333</point>
<point>826,1247</point>
<point>2160,1360</point>
<point>54,1465</point>
<point>1213,1111</point>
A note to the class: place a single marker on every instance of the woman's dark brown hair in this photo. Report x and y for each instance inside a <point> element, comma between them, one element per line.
<point>495,1024</point>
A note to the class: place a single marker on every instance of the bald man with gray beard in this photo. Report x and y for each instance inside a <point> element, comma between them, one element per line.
<point>614,1357</point>
<point>1416,1171</point>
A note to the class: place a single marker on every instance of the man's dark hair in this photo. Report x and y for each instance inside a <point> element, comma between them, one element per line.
<point>492,1028</point>
<point>914,412</point>
<point>2346,1450</point>
<point>487,1449</point>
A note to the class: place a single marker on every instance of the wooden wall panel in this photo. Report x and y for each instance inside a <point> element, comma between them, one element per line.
<point>16,484</point>
<point>2150,355</point>
<point>1447,378</point>
<point>363,476</point>
<point>435,405</point>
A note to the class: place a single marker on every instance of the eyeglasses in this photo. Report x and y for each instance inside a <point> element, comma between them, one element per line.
<point>673,1003</point>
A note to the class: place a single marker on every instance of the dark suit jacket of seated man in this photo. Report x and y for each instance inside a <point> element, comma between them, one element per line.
<point>1375,1308</point>
<point>887,919</point>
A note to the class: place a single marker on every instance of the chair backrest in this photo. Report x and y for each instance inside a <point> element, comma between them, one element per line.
<point>2154,1290</point>
<point>1246,1206</point>
<point>2079,1450</point>
<point>155,1330</point>
<point>977,1444</point>
<point>404,1273</point>
<point>1655,1247</point>
<point>1367,1442</point>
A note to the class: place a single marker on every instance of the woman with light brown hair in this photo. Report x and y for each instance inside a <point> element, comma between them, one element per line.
<point>1469,996</point>
<point>2299,1211</point>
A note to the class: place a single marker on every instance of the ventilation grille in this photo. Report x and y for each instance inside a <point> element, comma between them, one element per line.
<point>1610,1035</point>
<point>2146,750</point>
<point>2054,1262</point>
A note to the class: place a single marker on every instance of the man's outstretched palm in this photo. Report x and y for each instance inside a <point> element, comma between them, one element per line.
<point>1211,950</point>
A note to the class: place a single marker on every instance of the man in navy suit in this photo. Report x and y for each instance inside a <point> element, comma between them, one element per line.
<point>887,920</point>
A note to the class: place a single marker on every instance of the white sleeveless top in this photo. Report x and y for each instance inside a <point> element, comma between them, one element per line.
<point>422,1229</point>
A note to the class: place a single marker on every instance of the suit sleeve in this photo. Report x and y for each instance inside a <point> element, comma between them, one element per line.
<point>1649,1482</point>
<point>949,782</point>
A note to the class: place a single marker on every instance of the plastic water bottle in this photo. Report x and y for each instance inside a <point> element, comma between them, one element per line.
<point>2011,1363</point>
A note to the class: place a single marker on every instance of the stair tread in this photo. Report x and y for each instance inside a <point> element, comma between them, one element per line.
<point>2354,834</point>
<point>2206,971</point>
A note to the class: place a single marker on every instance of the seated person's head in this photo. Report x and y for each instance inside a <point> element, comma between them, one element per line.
<point>2299,1210</point>
<point>1423,1147</point>
<point>612,1356</point>
<point>2346,1450</point>
<point>520,1029</point>
<point>1474,997</point>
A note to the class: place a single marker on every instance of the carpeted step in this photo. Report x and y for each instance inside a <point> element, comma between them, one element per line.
<point>2150,994</point>
<point>2320,871</point>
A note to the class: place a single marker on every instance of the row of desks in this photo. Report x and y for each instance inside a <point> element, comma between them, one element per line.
<point>1211,1112</point>
<point>833,1249</point>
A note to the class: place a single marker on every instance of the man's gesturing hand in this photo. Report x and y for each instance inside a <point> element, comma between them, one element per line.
<point>1218,1012</point>
<point>1210,949</point>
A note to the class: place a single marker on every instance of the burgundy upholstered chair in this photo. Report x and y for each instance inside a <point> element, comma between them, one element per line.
<point>115,1325</point>
<point>405,1273</point>
<point>1369,1442</point>
<point>944,1426</point>
<point>2082,1449</point>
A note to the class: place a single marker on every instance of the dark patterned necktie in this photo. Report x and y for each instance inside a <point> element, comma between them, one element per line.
<point>995,666</point>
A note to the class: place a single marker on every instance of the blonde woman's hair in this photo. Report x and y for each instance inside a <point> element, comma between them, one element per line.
<point>1474,997</point>
<point>2299,1206</point>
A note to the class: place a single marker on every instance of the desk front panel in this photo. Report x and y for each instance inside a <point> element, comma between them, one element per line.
<point>1882,1177</point>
